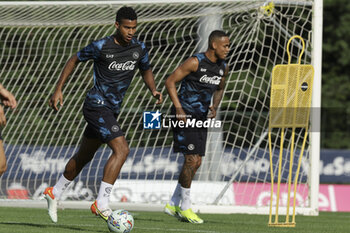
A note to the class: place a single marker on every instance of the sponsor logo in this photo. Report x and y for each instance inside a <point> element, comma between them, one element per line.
<point>128,65</point>
<point>190,147</point>
<point>108,190</point>
<point>250,167</point>
<point>37,163</point>
<point>149,164</point>
<point>221,72</point>
<point>203,70</point>
<point>158,192</point>
<point>109,55</point>
<point>304,86</point>
<point>340,166</point>
<point>151,120</point>
<point>100,102</point>
<point>215,80</point>
<point>135,55</point>
<point>115,128</point>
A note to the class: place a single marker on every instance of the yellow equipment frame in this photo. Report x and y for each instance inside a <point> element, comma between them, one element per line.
<point>291,92</point>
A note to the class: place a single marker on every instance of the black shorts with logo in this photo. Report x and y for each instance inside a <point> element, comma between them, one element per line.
<point>102,123</point>
<point>189,141</point>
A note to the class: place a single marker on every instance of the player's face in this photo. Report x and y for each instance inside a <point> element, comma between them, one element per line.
<point>126,28</point>
<point>222,47</point>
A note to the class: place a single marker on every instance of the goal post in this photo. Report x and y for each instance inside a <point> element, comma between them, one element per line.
<point>37,38</point>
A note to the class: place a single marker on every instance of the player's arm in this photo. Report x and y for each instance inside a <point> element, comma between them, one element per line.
<point>217,96</point>
<point>148,78</point>
<point>7,97</point>
<point>2,117</point>
<point>67,70</point>
<point>190,65</point>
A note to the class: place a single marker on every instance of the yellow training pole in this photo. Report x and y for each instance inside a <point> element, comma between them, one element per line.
<point>272,179</point>
<point>297,174</point>
<point>279,175</point>
<point>291,90</point>
<point>290,174</point>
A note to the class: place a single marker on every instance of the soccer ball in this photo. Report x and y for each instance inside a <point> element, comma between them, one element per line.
<point>120,221</point>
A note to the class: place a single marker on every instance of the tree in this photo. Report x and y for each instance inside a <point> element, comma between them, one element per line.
<point>336,75</point>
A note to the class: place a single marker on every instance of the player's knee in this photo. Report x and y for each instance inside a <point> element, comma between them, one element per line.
<point>126,151</point>
<point>193,160</point>
<point>120,147</point>
<point>121,152</point>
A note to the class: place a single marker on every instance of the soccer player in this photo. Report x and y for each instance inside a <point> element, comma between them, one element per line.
<point>202,78</point>
<point>115,59</point>
<point>8,100</point>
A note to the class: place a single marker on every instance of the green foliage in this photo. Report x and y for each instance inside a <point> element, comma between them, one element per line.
<point>336,70</point>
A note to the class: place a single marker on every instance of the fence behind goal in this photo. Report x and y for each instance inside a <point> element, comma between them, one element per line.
<point>36,40</point>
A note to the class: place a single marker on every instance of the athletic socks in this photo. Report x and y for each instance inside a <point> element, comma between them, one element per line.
<point>60,186</point>
<point>103,195</point>
<point>176,198</point>
<point>186,198</point>
<point>181,195</point>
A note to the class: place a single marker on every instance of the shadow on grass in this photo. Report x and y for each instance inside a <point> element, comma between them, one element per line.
<point>147,219</point>
<point>53,225</point>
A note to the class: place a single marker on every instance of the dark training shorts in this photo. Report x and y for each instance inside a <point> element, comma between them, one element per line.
<point>102,124</point>
<point>190,141</point>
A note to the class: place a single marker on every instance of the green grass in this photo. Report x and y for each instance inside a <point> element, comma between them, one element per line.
<point>27,220</point>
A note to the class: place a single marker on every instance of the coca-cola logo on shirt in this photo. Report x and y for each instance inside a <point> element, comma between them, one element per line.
<point>215,80</point>
<point>128,65</point>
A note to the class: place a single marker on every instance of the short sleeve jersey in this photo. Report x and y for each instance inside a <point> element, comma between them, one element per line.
<point>198,87</point>
<point>113,71</point>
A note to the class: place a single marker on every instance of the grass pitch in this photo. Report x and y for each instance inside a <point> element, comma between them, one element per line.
<point>27,220</point>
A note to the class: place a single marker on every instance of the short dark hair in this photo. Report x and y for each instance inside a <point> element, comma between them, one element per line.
<point>215,35</point>
<point>125,13</point>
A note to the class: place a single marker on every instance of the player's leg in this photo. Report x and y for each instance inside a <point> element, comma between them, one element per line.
<point>173,206</point>
<point>191,142</point>
<point>120,151</point>
<point>104,122</point>
<point>189,169</point>
<point>182,191</point>
<point>3,165</point>
<point>86,152</point>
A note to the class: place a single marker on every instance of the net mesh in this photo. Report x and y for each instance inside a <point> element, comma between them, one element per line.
<point>37,40</point>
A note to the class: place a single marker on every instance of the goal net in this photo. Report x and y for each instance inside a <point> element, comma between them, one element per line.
<point>37,39</point>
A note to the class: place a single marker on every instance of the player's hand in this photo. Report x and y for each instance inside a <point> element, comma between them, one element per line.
<point>212,112</point>
<point>158,96</point>
<point>55,98</point>
<point>180,114</point>
<point>8,99</point>
<point>2,117</point>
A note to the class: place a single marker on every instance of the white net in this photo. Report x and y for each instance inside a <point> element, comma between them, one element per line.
<point>36,41</point>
